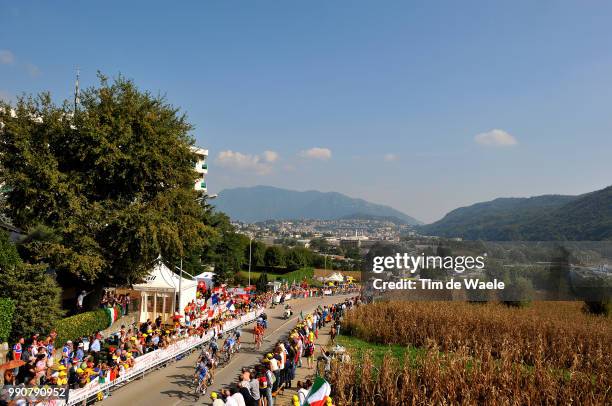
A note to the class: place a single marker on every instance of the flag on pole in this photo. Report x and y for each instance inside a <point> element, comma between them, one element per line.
<point>318,394</point>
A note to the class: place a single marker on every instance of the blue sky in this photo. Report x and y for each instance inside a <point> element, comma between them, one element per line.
<point>425,106</point>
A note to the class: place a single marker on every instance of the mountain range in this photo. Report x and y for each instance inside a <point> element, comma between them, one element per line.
<point>548,217</point>
<point>260,203</point>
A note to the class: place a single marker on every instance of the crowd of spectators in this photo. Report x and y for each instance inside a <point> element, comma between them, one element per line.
<point>261,385</point>
<point>45,361</point>
<point>105,358</point>
<point>112,299</point>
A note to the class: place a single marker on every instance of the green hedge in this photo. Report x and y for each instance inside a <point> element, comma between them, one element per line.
<point>7,309</point>
<point>82,324</point>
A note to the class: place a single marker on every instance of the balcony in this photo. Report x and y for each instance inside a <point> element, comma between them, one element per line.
<point>201,167</point>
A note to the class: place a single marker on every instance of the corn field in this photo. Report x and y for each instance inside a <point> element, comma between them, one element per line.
<point>551,353</point>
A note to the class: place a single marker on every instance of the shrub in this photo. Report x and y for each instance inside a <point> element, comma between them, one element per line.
<point>7,308</point>
<point>262,282</point>
<point>602,307</point>
<point>519,293</point>
<point>82,324</point>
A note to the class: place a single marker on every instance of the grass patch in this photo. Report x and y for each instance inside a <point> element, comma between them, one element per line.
<point>298,276</point>
<point>358,347</point>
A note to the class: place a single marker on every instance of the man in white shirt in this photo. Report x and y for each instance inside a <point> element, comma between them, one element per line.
<point>234,398</point>
<point>80,299</point>
<point>229,400</point>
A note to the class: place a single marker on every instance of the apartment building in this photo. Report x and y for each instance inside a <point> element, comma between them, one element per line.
<point>201,167</point>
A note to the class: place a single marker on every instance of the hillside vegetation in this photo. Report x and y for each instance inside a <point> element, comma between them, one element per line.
<point>260,203</point>
<point>544,218</point>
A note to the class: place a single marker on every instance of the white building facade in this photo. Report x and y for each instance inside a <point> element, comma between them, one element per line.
<point>201,167</point>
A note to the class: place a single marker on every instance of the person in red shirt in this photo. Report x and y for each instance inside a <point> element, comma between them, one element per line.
<point>18,349</point>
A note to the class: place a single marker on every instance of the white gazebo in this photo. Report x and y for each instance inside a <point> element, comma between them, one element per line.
<point>159,293</point>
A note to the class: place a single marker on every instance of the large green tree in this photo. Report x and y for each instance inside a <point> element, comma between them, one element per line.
<point>258,251</point>
<point>274,256</point>
<point>113,181</point>
<point>298,257</point>
<point>226,251</point>
<point>35,295</point>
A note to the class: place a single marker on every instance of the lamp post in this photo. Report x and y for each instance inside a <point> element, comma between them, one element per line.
<point>250,255</point>
<point>180,284</point>
<point>181,272</point>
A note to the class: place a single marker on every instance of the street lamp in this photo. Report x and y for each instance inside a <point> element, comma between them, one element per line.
<point>180,291</point>
<point>180,283</point>
<point>250,256</point>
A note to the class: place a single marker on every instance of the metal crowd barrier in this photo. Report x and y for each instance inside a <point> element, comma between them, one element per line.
<point>145,363</point>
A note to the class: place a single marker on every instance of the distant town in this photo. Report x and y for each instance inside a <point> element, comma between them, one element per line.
<point>358,233</point>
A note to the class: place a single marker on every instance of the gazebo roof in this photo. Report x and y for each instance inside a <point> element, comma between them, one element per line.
<point>162,278</point>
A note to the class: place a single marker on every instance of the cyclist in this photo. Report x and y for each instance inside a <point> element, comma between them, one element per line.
<point>228,346</point>
<point>262,321</point>
<point>237,333</point>
<point>209,360</point>
<point>258,335</point>
<point>202,376</point>
<point>213,348</point>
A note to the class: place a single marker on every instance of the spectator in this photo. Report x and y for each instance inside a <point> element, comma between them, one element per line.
<point>303,391</point>
<point>94,348</point>
<point>215,400</point>
<point>80,299</point>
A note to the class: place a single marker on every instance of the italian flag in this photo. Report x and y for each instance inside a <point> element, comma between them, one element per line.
<point>113,314</point>
<point>318,394</point>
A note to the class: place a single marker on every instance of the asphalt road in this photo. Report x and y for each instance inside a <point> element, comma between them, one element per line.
<point>172,385</point>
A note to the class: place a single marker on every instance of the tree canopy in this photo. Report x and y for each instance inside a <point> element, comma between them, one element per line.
<point>112,183</point>
<point>35,295</point>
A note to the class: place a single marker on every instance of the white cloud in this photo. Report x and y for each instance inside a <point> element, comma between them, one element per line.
<point>270,156</point>
<point>261,165</point>
<point>390,157</point>
<point>6,57</point>
<point>316,153</point>
<point>496,138</point>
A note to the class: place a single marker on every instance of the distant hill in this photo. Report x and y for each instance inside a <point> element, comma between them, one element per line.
<point>259,203</point>
<point>547,217</point>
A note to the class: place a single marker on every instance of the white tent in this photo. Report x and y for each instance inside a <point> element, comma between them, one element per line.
<point>160,291</point>
<point>335,277</point>
<point>206,277</point>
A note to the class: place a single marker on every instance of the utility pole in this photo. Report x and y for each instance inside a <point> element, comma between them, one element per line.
<point>76,90</point>
<point>250,256</point>
<point>180,284</point>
